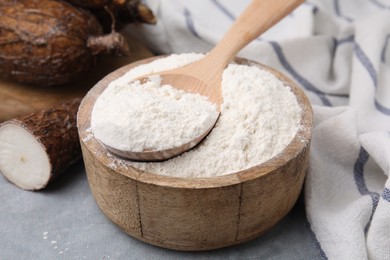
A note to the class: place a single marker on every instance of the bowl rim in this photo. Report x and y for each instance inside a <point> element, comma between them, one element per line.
<point>296,146</point>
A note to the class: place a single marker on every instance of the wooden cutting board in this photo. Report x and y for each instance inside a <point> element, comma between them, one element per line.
<point>20,99</point>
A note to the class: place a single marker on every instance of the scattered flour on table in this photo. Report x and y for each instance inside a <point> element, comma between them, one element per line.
<point>55,244</point>
<point>259,118</point>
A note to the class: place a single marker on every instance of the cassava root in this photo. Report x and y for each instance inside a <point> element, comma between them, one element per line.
<point>37,148</point>
<point>48,42</point>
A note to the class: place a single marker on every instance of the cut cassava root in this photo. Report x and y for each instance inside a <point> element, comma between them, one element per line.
<point>48,42</point>
<point>37,148</point>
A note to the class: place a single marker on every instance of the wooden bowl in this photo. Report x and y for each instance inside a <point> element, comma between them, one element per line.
<point>195,213</point>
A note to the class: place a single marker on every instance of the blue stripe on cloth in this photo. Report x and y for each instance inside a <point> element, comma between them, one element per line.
<point>365,61</point>
<point>223,9</point>
<point>304,82</point>
<point>313,6</point>
<point>382,108</point>
<point>386,194</point>
<point>367,64</point>
<point>379,4</point>
<point>190,23</point>
<point>336,44</point>
<point>358,170</point>
<point>384,49</point>
<point>338,11</point>
<point>317,243</point>
<point>360,182</point>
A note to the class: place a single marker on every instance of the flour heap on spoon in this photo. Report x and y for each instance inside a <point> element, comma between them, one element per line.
<point>149,116</point>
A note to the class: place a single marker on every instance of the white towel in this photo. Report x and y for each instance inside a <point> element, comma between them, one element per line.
<point>339,53</point>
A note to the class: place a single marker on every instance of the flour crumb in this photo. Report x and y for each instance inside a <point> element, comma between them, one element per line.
<point>89,136</point>
<point>54,242</point>
<point>116,162</point>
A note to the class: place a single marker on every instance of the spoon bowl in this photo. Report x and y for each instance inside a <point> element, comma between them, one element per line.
<point>158,155</point>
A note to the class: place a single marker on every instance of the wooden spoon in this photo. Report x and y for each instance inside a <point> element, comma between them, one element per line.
<point>205,75</point>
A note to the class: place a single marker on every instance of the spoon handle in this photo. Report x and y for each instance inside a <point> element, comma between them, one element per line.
<point>204,76</point>
<point>259,16</point>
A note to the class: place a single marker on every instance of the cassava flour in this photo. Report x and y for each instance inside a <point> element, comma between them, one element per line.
<point>259,118</point>
<point>131,116</point>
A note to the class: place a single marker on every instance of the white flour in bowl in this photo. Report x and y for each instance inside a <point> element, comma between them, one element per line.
<point>259,118</point>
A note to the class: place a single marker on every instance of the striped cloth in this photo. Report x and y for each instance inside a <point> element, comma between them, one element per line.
<point>339,53</point>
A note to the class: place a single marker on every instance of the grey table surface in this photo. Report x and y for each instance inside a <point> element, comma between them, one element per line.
<point>64,222</point>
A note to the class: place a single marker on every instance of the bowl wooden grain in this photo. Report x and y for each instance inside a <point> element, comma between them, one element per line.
<point>195,213</point>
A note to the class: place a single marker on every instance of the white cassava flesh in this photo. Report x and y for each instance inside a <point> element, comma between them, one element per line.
<point>23,160</point>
